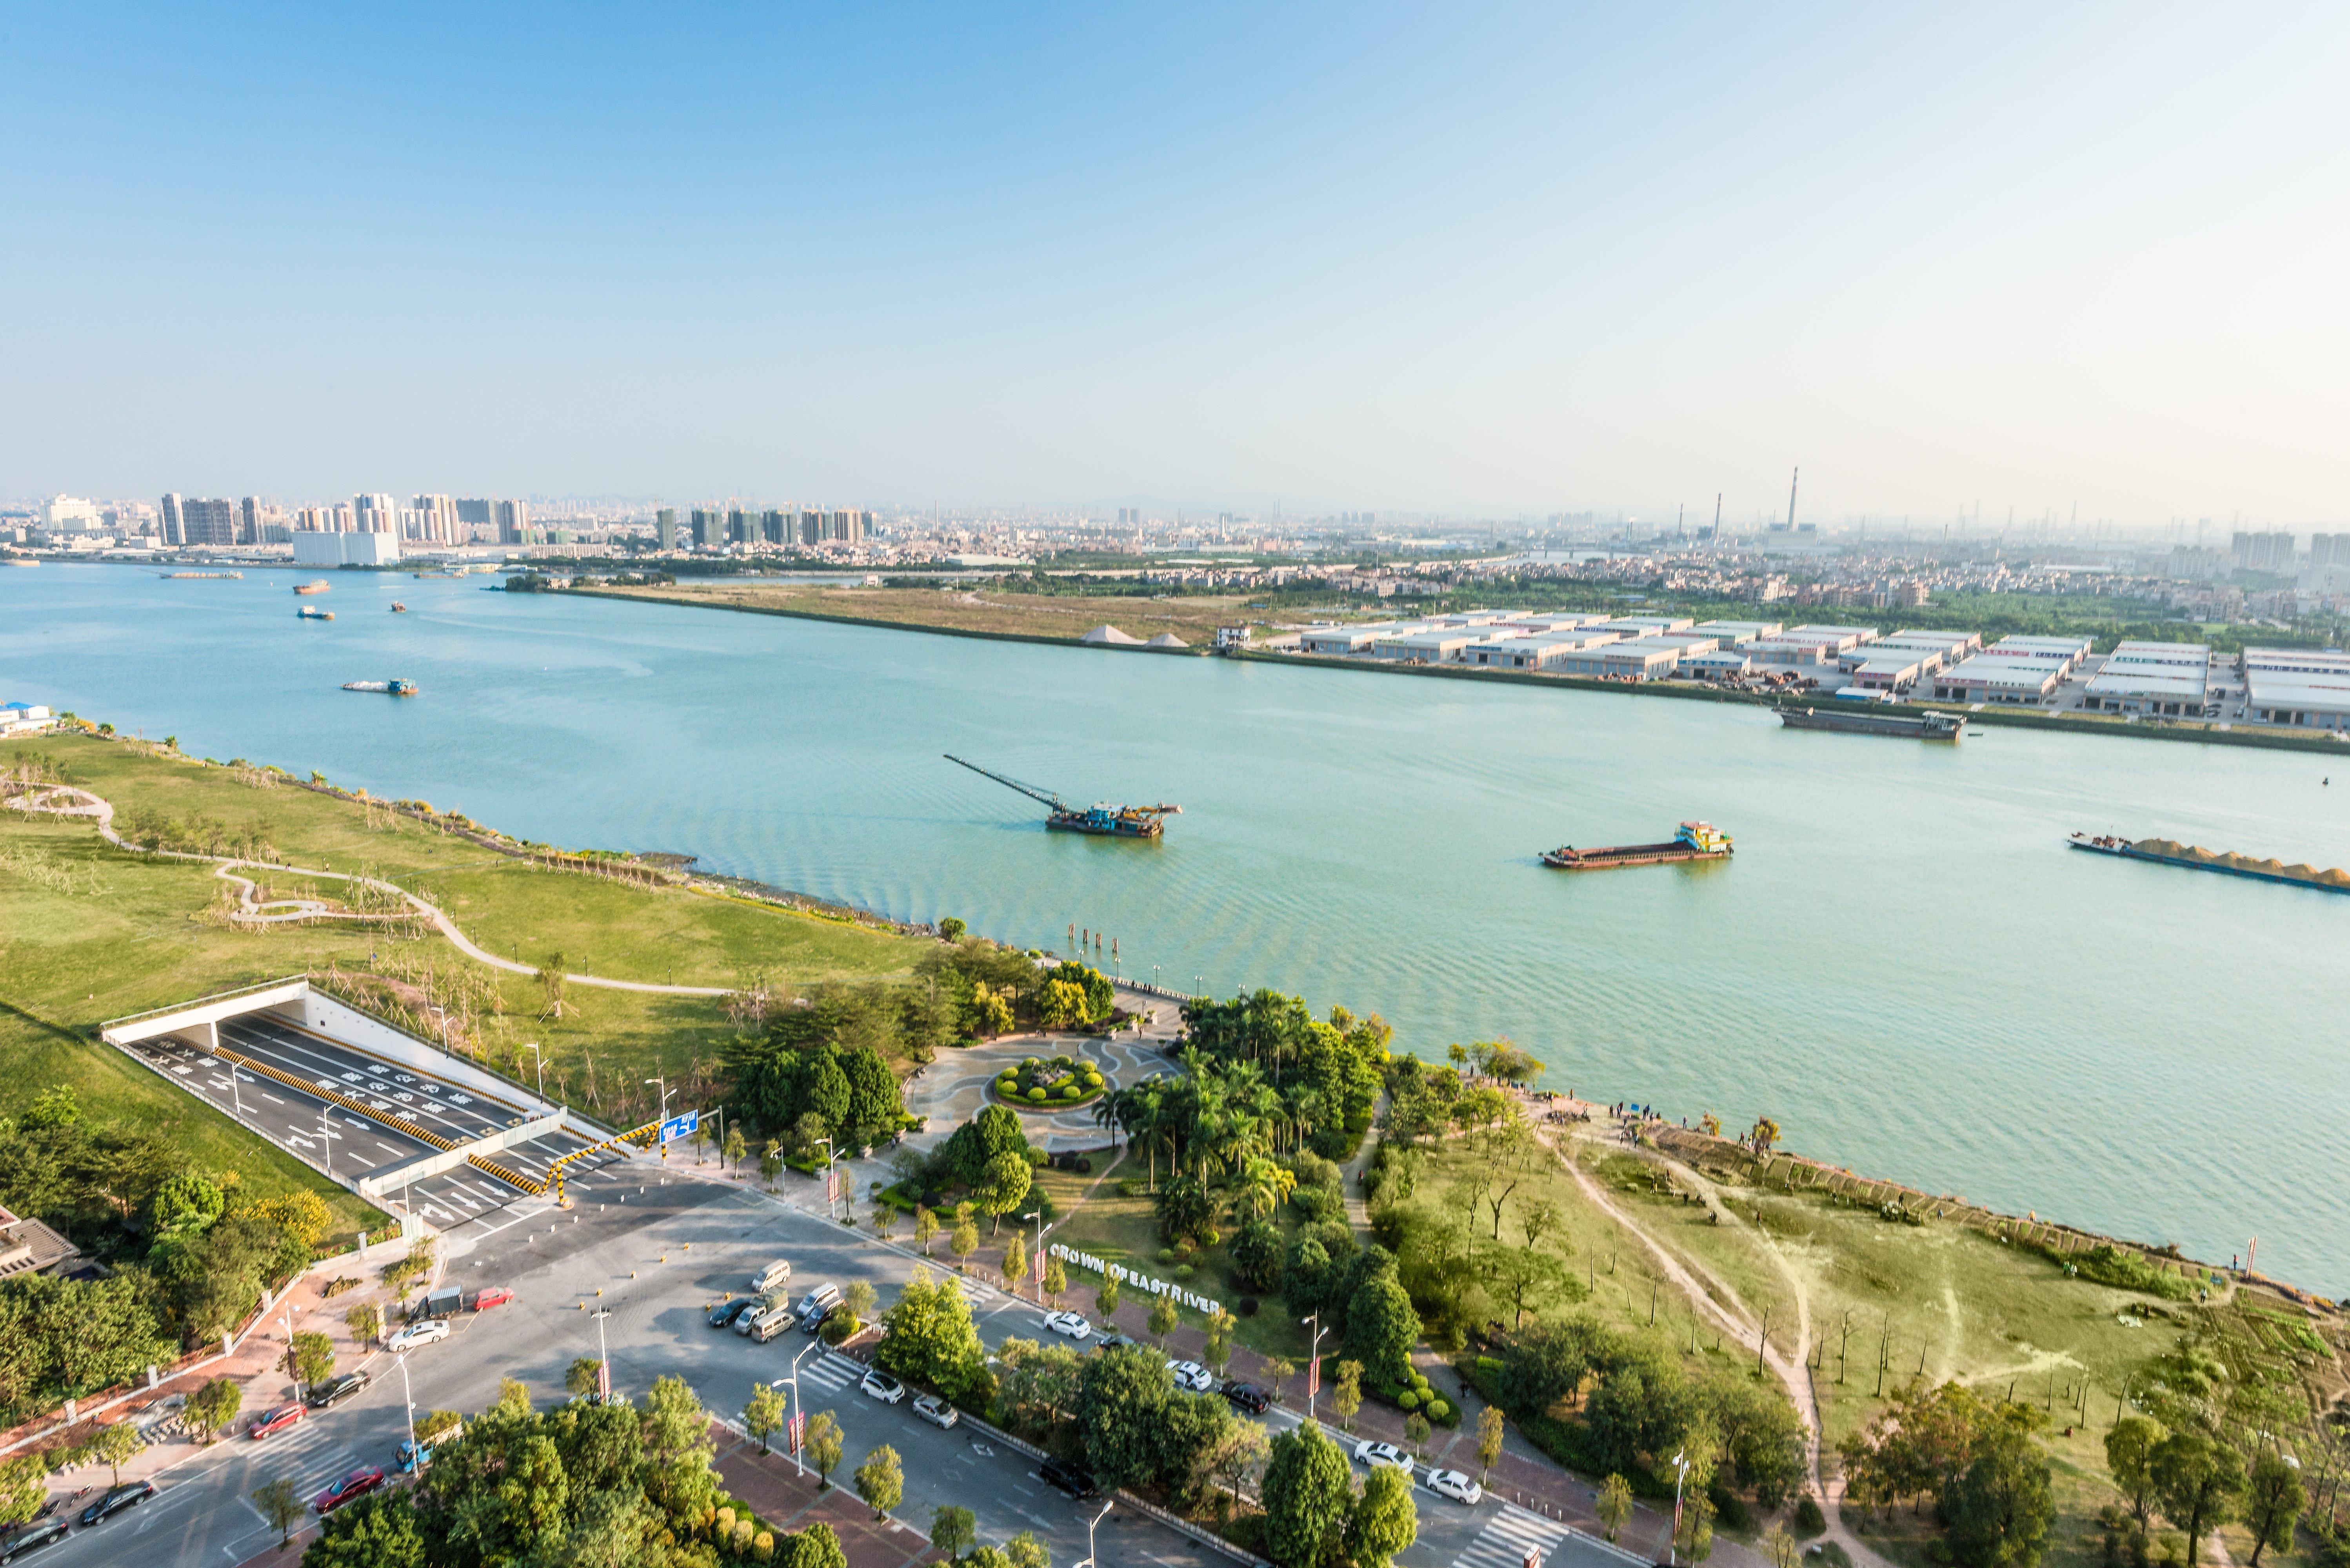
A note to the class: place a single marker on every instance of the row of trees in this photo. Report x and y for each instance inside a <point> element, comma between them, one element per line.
<point>585,1485</point>
<point>1324,1078</point>
<point>1974,1458</point>
<point>2199,1483</point>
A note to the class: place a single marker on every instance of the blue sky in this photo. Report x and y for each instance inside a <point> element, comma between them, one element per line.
<point>1476,260</point>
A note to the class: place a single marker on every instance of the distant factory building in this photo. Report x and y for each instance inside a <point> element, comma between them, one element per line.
<point>1738,633</point>
<point>1544,650</point>
<point>1436,646</point>
<point>1896,672</point>
<point>2065,653</point>
<point>2159,679</point>
<point>2298,688</point>
<point>1716,664</point>
<point>1639,659</point>
<point>1638,626</point>
<point>1987,677</point>
<point>1844,637</point>
<point>1789,650</point>
<point>1341,640</point>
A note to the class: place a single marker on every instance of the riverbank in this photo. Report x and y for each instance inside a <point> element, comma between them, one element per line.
<point>938,621</point>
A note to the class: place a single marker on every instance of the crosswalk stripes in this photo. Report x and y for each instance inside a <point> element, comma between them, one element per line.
<point>832,1373</point>
<point>1505,1543</point>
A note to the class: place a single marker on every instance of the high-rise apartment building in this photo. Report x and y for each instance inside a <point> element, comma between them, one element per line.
<point>709,528</point>
<point>776,527</point>
<point>477,512</point>
<point>210,523</point>
<point>2264,552</point>
<point>513,520</point>
<point>665,527</point>
<point>174,520</point>
<point>434,519</point>
<point>742,527</point>
<point>2329,549</point>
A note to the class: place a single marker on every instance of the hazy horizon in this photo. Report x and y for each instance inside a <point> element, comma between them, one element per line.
<point>1484,264</point>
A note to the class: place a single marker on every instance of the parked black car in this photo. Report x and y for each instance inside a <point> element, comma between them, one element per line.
<point>1068,1479</point>
<point>335,1390</point>
<point>1113,1341</point>
<point>129,1494</point>
<point>1256,1401</point>
<point>40,1532</point>
<point>723,1314</point>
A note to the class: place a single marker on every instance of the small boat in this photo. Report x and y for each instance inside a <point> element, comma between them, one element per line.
<point>1695,841</point>
<point>320,586</point>
<point>398,609</point>
<point>390,688</point>
<point>308,613</point>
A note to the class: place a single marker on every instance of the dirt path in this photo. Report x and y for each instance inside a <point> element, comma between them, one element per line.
<point>92,808</point>
<point>1719,1299</point>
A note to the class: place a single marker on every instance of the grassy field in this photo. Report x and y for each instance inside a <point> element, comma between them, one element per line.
<point>1060,616</point>
<point>93,932</point>
<point>1942,1301</point>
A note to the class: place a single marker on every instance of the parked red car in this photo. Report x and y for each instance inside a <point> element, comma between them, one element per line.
<point>358,1483</point>
<point>490,1296</point>
<point>273,1422</point>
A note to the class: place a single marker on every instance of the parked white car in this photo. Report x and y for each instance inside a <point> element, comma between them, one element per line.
<point>937,1411</point>
<point>430,1332</point>
<point>1192,1374</point>
<point>1383,1456</point>
<point>882,1387</point>
<point>1455,1485</point>
<point>1070,1324</point>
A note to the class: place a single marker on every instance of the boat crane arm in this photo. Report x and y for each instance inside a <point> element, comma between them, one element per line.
<point>1031,791</point>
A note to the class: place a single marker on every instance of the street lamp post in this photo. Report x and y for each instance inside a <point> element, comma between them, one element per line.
<point>1313,1361</point>
<point>1091,1525</point>
<point>408,1403</point>
<point>797,1465</point>
<point>664,1113</point>
<point>1036,1252</point>
<point>603,1354</point>
<point>326,1144</point>
<point>830,1201</point>
<point>1680,1474</point>
<point>531,1046</point>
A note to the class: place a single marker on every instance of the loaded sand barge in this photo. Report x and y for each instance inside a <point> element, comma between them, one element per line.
<point>1695,841</point>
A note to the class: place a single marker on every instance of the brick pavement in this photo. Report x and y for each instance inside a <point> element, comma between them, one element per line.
<point>789,1501</point>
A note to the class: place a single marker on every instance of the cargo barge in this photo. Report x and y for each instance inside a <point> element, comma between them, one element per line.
<point>202,577</point>
<point>1695,841</point>
<point>318,585</point>
<point>307,613</point>
<point>1929,727</point>
<point>1105,821</point>
<point>2169,852</point>
<point>390,688</point>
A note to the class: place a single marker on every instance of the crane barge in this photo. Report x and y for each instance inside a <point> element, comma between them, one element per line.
<point>1108,821</point>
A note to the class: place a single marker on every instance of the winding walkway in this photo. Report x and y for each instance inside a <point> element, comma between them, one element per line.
<point>252,910</point>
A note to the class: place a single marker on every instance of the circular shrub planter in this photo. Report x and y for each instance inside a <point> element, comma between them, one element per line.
<point>1408,1400</point>
<point>1437,1409</point>
<point>1246,1307</point>
<point>1038,1084</point>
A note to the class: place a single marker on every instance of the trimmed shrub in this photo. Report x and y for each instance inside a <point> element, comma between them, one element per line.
<point>1184,1271</point>
<point>1246,1307</point>
<point>1408,1400</point>
<point>1809,1520</point>
<point>1437,1410</point>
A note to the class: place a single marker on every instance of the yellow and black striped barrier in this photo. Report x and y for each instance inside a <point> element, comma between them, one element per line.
<point>641,1135</point>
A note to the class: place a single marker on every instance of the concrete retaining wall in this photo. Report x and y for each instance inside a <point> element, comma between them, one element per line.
<point>379,1182</point>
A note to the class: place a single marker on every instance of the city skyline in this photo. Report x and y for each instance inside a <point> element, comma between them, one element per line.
<point>1481,265</point>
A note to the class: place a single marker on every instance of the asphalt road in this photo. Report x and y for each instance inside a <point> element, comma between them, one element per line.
<point>654,1249</point>
<point>352,1144</point>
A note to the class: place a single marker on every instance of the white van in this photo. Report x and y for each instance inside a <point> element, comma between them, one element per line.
<point>763,1323</point>
<point>768,1278</point>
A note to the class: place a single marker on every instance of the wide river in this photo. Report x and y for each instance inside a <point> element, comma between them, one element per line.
<point>1904,965</point>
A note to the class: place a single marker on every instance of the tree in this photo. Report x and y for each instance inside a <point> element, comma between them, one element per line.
<point>926,1227</point>
<point>584,1377</point>
<point>1415,1432</point>
<point>881,1481</point>
<point>23,1482</point>
<point>735,1147</point>
<point>857,1300</point>
<point>1384,1522</point>
<point>2273,1500</point>
<point>951,929</point>
<point>1306,1499</point>
<point>1024,1551</point>
<point>1278,1370</point>
<point>1163,1319</point>
<point>214,1405</point>
<point>763,1414</point>
<point>822,1445</point>
<point>1105,1299</point>
<point>365,1321</point>
<point>2129,1451</point>
<point>1614,1505</point>
<point>931,1339</point>
<point>282,1506</point>
<point>1999,1508</point>
<point>954,1530</point>
<point>1004,1184</point>
<point>1056,1280</point>
<point>1218,1350</point>
<point>964,1243</point>
<point>815,1547</point>
<point>2196,1481</point>
<point>377,1531</point>
<point>1347,1393</point>
<point>1764,1134</point>
<point>1122,1400</point>
<point>311,1358</point>
<point>1490,1428</point>
<point>114,1443</point>
<point>1244,1446</point>
<point>1693,1531</point>
<point>1381,1329</point>
<point>1780,1547</point>
<point>1016,1263</point>
<point>551,979</point>
<point>1256,1254</point>
<point>770,1161</point>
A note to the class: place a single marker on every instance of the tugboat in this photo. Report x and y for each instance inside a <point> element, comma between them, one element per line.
<point>398,609</point>
<point>390,688</point>
<point>1695,841</point>
<point>308,613</point>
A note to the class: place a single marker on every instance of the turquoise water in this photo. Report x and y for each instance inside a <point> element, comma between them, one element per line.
<point>1904,965</point>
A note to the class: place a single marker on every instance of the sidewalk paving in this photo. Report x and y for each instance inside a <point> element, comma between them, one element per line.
<point>787,1501</point>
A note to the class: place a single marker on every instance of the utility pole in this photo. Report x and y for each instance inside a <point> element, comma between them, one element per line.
<point>408,1403</point>
<point>664,1114</point>
<point>1792,482</point>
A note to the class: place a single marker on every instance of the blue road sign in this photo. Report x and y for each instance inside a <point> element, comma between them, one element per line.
<point>680,1126</point>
